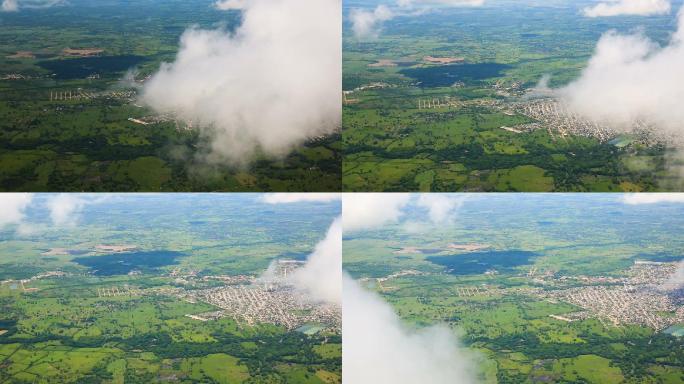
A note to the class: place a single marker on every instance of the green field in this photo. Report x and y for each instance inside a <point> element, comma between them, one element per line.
<point>88,143</point>
<point>392,142</point>
<point>509,314</point>
<point>63,328</point>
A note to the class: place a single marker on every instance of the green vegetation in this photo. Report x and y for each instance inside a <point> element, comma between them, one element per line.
<point>496,297</point>
<point>87,143</point>
<point>61,328</point>
<point>392,142</point>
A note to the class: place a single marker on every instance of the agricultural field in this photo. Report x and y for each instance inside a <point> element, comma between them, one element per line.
<point>71,314</point>
<point>510,277</point>
<point>440,101</point>
<point>70,118</point>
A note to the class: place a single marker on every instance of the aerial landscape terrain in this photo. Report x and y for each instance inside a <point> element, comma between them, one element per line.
<point>470,96</point>
<point>163,288</point>
<point>527,288</point>
<point>86,104</point>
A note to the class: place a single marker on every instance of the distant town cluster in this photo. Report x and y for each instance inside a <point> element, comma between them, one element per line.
<point>647,294</point>
<point>644,297</point>
<point>268,299</point>
<point>249,300</point>
<point>558,118</point>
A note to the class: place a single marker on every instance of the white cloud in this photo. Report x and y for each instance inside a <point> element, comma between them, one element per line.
<point>321,276</point>
<point>12,209</point>
<point>225,5</point>
<point>66,208</point>
<point>676,281</point>
<point>542,89</point>
<point>368,23</point>
<point>415,227</point>
<point>15,5</point>
<point>448,3</point>
<point>441,206</point>
<point>288,198</point>
<point>10,6</point>
<point>652,198</point>
<point>372,210</point>
<point>268,87</point>
<point>628,7</point>
<point>632,78</point>
<point>378,349</point>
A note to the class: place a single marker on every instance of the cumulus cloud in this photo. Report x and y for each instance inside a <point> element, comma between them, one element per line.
<point>652,198</point>
<point>676,281</point>
<point>630,78</point>
<point>15,5</point>
<point>10,6</point>
<point>378,348</point>
<point>441,207</point>
<point>321,276</point>
<point>225,5</point>
<point>541,90</point>
<point>267,87</point>
<point>372,210</point>
<point>628,7</point>
<point>362,211</point>
<point>66,208</point>
<point>368,23</point>
<point>13,209</point>
<point>448,3</point>
<point>289,198</point>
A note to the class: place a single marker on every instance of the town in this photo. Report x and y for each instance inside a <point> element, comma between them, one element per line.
<point>645,296</point>
<point>271,299</point>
